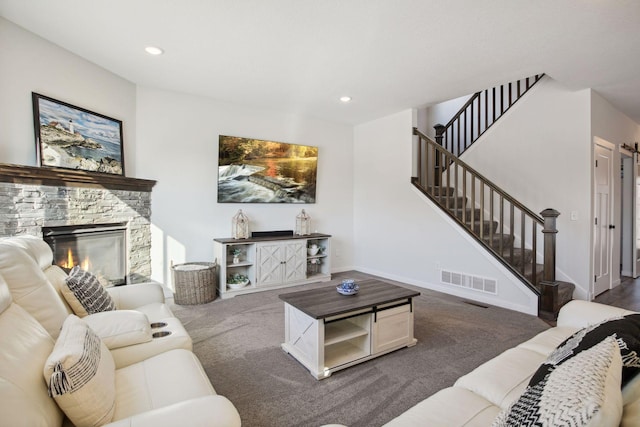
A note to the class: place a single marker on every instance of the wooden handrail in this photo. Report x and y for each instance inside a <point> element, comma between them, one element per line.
<point>474,118</point>
<point>464,107</point>
<point>487,182</point>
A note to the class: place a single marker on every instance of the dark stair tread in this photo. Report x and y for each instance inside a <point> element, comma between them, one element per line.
<point>565,291</point>
<point>457,212</point>
<point>529,275</point>
<point>564,295</point>
<point>494,242</point>
<point>517,256</point>
<point>437,191</point>
<point>486,225</point>
<point>451,202</point>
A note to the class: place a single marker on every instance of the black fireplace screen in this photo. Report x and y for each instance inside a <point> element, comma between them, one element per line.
<point>98,248</point>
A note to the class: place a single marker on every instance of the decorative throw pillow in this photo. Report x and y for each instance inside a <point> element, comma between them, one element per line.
<point>85,294</point>
<point>80,375</point>
<point>625,330</point>
<point>583,390</point>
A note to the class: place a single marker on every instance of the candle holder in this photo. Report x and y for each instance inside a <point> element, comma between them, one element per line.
<point>240,226</point>
<point>303,224</point>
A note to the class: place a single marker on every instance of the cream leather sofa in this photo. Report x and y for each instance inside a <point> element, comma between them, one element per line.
<point>158,382</point>
<point>477,398</point>
<point>26,265</point>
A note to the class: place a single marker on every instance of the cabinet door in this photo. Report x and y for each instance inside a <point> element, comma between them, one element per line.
<point>295,261</point>
<point>392,329</point>
<point>269,260</point>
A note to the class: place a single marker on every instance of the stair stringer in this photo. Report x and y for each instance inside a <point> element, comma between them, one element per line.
<point>528,299</point>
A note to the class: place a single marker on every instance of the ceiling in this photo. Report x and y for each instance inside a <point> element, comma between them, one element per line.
<point>300,56</point>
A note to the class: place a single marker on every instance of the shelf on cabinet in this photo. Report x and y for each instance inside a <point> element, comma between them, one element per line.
<point>341,353</point>
<point>240,290</point>
<point>318,276</point>
<point>342,331</point>
<point>240,264</point>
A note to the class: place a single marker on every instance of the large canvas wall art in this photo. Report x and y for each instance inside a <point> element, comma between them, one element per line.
<point>258,171</point>
<point>74,138</point>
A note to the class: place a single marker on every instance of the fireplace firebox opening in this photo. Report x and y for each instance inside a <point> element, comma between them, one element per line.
<point>98,248</point>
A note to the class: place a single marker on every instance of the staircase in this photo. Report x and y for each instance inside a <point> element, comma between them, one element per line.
<point>501,224</point>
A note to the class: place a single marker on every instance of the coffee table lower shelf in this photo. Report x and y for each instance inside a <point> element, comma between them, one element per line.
<point>330,344</point>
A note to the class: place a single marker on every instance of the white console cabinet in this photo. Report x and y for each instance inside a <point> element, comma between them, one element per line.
<point>272,262</point>
<point>281,262</point>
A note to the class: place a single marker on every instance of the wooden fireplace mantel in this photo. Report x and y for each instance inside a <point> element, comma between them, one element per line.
<point>60,177</point>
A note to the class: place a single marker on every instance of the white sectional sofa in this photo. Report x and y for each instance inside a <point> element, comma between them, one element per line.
<point>477,398</point>
<point>35,284</point>
<point>153,381</point>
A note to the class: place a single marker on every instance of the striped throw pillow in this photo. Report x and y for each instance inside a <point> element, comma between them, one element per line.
<point>80,375</point>
<point>85,294</point>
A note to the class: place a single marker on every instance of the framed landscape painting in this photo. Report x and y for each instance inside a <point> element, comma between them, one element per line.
<point>74,138</point>
<point>258,171</point>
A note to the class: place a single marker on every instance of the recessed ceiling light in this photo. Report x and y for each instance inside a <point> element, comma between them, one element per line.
<point>345,99</point>
<point>152,50</point>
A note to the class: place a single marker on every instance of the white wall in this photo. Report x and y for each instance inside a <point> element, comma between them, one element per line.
<point>540,152</point>
<point>611,125</point>
<point>398,234</point>
<point>28,64</point>
<point>177,145</point>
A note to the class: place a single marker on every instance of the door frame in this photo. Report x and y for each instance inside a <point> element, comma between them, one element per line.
<point>611,147</point>
<point>628,213</point>
<point>636,214</point>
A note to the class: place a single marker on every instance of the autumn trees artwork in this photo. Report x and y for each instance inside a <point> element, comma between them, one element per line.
<point>259,171</point>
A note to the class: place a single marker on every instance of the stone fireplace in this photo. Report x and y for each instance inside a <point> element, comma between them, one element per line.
<point>37,200</point>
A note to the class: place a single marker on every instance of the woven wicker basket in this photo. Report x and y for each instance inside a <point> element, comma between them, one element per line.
<point>194,282</point>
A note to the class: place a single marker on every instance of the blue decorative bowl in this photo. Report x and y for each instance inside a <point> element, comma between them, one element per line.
<point>348,287</point>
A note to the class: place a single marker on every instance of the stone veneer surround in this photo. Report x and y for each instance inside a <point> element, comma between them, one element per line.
<point>32,198</point>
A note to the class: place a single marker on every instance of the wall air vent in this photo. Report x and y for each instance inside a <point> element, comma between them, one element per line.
<point>462,280</point>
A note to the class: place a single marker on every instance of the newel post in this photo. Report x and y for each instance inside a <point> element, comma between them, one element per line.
<point>439,136</point>
<point>549,301</point>
<point>439,133</point>
<point>418,159</point>
<point>549,231</point>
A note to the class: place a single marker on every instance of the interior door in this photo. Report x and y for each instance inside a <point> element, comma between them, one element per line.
<point>603,219</point>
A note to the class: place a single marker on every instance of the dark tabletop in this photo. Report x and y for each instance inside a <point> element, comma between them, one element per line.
<point>325,302</point>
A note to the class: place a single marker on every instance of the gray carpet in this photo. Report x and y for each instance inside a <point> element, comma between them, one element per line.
<point>238,342</point>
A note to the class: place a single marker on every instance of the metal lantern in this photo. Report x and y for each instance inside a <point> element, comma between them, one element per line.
<point>303,224</point>
<point>240,226</point>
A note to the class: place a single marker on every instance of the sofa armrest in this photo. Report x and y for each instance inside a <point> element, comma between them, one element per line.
<point>120,328</point>
<point>130,297</point>
<point>211,411</point>
<point>580,314</point>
